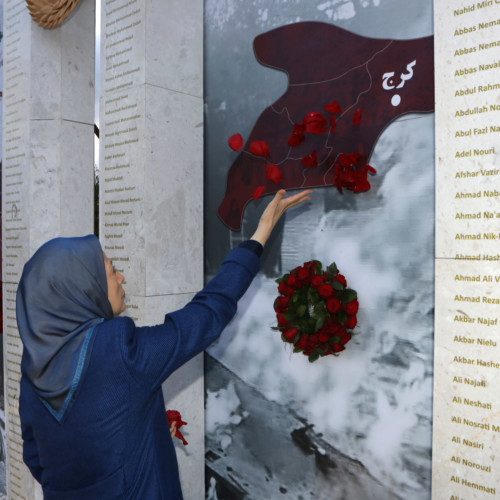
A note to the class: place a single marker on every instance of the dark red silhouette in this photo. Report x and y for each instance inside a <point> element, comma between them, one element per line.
<point>344,89</point>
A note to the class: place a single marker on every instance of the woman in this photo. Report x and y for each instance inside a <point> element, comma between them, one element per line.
<point>91,406</point>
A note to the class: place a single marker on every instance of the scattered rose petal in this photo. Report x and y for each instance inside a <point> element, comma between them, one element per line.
<point>258,192</point>
<point>315,123</point>
<point>310,160</point>
<point>259,148</point>
<point>297,136</point>
<point>350,174</point>
<point>356,120</point>
<point>333,107</point>
<point>333,123</point>
<point>235,142</point>
<point>348,159</point>
<point>273,173</point>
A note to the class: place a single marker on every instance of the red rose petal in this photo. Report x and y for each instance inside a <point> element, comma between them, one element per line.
<point>370,169</point>
<point>310,160</point>
<point>259,148</point>
<point>235,142</point>
<point>314,123</point>
<point>333,107</point>
<point>297,136</point>
<point>348,159</point>
<point>356,120</point>
<point>258,192</point>
<point>273,173</point>
<point>294,140</point>
<point>333,123</point>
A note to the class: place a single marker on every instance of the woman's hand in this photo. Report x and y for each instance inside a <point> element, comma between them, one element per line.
<point>173,429</point>
<point>276,208</point>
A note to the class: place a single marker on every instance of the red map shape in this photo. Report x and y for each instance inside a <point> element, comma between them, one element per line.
<point>324,63</point>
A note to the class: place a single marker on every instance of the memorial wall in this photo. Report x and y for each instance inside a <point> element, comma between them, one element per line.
<point>467,346</point>
<point>425,357</point>
<point>358,424</point>
<point>151,180</point>
<point>47,171</point>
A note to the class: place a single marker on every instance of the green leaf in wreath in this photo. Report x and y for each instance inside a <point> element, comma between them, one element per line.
<point>313,356</point>
<point>289,315</point>
<point>320,309</point>
<point>341,317</point>
<point>318,267</point>
<point>331,270</point>
<point>337,286</point>
<point>320,321</point>
<point>347,295</point>
<point>301,310</point>
<point>297,349</point>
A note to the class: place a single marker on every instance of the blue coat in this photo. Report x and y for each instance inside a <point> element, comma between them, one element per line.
<point>115,442</point>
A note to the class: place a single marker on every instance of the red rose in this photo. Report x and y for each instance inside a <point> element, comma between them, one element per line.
<point>333,305</point>
<point>317,281</point>
<point>302,343</point>
<point>292,280</point>
<point>303,274</point>
<point>344,337</point>
<point>314,123</point>
<point>324,336</point>
<point>341,279</point>
<point>314,340</point>
<point>352,307</point>
<point>286,290</point>
<point>175,416</point>
<point>290,333</point>
<point>351,322</point>
<point>325,290</point>
<point>281,320</point>
<point>282,304</point>
<point>337,347</point>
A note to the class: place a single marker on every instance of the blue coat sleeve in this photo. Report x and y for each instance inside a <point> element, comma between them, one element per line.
<point>153,353</point>
<point>30,452</point>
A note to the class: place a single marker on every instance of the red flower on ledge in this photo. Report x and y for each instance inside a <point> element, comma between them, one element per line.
<point>175,416</point>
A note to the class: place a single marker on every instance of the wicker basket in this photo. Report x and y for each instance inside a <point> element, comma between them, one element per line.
<point>50,13</point>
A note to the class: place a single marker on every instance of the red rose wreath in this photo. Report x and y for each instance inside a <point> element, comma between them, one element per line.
<point>316,312</point>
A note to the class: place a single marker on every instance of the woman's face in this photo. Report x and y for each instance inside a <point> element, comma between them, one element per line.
<point>116,293</point>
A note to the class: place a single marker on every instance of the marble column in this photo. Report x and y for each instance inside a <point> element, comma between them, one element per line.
<point>151,179</point>
<point>48,170</point>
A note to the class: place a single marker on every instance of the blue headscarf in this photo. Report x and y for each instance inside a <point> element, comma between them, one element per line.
<point>62,296</point>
